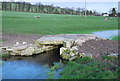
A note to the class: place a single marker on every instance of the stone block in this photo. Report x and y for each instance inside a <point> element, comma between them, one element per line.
<point>28,51</point>
<point>88,55</point>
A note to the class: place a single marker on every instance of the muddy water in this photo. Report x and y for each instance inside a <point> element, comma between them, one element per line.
<point>34,67</point>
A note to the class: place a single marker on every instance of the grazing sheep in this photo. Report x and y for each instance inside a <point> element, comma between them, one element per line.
<point>38,16</point>
<point>105,19</point>
<point>35,16</point>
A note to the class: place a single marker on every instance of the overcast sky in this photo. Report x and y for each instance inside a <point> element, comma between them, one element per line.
<point>66,0</point>
<point>99,5</point>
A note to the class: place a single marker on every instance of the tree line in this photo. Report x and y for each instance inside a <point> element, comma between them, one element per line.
<point>40,8</point>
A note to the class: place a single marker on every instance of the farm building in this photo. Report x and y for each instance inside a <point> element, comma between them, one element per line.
<point>105,14</point>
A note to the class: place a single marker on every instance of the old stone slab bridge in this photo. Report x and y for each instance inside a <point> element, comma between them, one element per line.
<point>69,43</point>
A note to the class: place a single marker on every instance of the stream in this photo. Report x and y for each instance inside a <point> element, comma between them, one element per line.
<point>33,67</point>
<point>38,66</point>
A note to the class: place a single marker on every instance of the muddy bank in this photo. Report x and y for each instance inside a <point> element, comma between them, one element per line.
<point>100,47</point>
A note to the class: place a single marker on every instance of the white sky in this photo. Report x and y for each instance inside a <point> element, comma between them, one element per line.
<point>99,5</point>
<point>66,0</point>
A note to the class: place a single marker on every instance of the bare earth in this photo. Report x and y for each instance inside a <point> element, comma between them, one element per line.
<point>100,47</point>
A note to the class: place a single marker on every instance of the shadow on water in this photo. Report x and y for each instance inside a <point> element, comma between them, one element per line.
<point>33,67</point>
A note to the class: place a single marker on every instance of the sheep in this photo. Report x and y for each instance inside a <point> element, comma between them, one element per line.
<point>35,16</point>
<point>38,16</point>
<point>105,19</point>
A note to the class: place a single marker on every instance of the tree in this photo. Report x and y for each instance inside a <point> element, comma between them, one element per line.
<point>87,12</point>
<point>0,5</point>
<point>78,10</point>
<point>118,14</point>
<point>94,12</point>
<point>28,5</point>
<point>38,7</point>
<point>113,12</point>
<point>51,9</point>
<point>91,12</point>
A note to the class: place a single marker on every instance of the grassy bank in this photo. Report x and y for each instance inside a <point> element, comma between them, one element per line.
<point>87,68</point>
<point>116,38</point>
<point>23,22</point>
<point>4,55</point>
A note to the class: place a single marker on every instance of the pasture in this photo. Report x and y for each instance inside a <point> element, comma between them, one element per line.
<point>47,24</point>
<point>16,26</point>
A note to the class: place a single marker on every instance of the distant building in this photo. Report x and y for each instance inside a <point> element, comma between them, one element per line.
<point>105,14</point>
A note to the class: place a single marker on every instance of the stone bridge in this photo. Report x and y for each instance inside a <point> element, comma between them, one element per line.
<point>70,43</point>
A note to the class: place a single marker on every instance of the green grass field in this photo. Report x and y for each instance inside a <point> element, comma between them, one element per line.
<point>23,22</point>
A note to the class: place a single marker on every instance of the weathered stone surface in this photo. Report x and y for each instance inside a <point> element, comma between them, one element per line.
<point>9,50</point>
<point>79,42</point>
<point>62,50</point>
<point>65,38</point>
<point>24,43</point>
<point>20,47</point>
<point>88,55</point>
<point>3,50</point>
<point>28,51</point>
<point>70,42</point>
<point>51,40</point>
<point>68,53</point>
<point>14,52</point>
<point>65,53</point>
<point>38,50</point>
<point>72,58</point>
<point>75,47</point>
<point>81,54</point>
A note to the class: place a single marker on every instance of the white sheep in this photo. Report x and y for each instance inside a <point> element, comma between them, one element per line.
<point>38,16</point>
<point>106,19</point>
<point>35,16</point>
